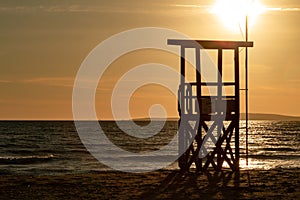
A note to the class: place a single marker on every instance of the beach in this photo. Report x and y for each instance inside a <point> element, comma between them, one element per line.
<point>47,160</point>
<point>163,184</point>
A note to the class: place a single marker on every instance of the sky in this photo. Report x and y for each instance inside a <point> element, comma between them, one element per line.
<point>44,42</point>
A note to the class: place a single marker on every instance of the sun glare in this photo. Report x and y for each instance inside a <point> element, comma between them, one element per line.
<point>233,12</point>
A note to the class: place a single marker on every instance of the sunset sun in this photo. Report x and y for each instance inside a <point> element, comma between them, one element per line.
<point>233,12</point>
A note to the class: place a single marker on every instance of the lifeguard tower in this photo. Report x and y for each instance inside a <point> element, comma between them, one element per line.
<point>202,117</point>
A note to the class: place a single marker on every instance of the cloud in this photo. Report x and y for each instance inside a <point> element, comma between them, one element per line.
<point>5,81</point>
<point>84,9</point>
<point>192,6</point>
<point>266,8</point>
<point>141,7</point>
<point>295,9</point>
<point>51,81</point>
<point>145,7</point>
<point>52,9</point>
<point>294,81</point>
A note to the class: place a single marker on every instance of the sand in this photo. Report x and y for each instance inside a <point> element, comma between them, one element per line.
<point>163,184</point>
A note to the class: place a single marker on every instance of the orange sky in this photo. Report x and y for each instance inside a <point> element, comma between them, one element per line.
<point>43,44</point>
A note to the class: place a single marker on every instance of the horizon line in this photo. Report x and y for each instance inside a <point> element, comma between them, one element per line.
<point>171,118</point>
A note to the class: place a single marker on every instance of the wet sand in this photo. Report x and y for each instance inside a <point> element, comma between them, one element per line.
<point>163,184</point>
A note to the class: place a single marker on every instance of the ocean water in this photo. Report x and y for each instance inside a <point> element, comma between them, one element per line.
<point>54,147</point>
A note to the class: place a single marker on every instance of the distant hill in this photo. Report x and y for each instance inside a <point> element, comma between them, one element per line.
<point>262,116</point>
<point>252,116</point>
<point>156,119</point>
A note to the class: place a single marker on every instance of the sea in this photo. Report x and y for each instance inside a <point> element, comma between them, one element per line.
<point>55,147</point>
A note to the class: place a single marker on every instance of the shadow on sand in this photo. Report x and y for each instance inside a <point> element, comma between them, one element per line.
<point>205,185</point>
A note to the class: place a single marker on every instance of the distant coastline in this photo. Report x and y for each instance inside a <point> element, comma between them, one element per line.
<point>262,116</point>
<point>252,116</point>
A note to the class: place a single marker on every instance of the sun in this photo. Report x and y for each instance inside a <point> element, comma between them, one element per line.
<point>233,12</point>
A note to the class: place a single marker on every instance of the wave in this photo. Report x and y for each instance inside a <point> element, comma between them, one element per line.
<point>25,159</point>
<point>274,157</point>
<point>279,149</point>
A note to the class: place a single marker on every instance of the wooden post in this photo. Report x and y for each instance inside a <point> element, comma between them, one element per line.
<point>237,102</point>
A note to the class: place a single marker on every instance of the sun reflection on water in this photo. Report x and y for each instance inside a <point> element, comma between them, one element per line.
<point>272,145</point>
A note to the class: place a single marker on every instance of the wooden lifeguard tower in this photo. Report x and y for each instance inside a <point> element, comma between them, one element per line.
<point>201,116</point>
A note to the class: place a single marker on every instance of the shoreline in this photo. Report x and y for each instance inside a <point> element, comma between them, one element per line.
<point>162,184</point>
